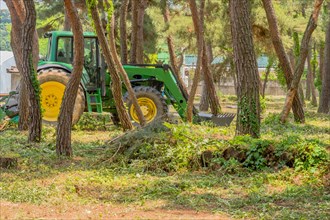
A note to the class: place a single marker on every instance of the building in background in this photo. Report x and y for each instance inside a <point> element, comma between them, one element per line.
<point>7,60</point>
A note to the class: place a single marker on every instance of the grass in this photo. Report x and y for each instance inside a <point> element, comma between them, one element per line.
<point>96,175</point>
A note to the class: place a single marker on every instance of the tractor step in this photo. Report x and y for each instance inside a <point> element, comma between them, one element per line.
<point>94,100</point>
<point>219,120</point>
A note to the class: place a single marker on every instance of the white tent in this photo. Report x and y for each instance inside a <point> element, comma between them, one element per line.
<point>6,61</point>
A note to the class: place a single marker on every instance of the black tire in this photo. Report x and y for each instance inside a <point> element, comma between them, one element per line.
<point>11,107</point>
<point>152,95</point>
<point>57,77</point>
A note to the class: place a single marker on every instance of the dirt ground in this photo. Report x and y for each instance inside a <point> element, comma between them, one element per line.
<point>9,210</point>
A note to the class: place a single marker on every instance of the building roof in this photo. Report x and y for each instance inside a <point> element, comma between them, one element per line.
<point>5,55</point>
<point>6,61</point>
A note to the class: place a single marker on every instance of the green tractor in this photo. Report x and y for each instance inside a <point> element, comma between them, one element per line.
<point>155,86</point>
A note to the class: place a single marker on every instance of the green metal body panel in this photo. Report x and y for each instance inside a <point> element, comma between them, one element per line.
<point>171,90</point>
<point>162,77</point>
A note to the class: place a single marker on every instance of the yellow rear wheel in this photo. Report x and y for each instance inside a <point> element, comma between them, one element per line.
<point>52,93</point>
<point>52,84</point>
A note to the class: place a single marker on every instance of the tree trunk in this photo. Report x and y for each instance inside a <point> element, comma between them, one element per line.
<point>174,63</point>
<point>301,94</point>
<point>320,69</point>
<point>268,68</point>
<point>324,106</point>
<point>309,76</point>
<point>134,33</point>
<point>17,13</point>
<point>119,68</point>
<point>138,10</point>
<point>297,107</point>
<point>115,78</point>
<point>208,78</point>
<point>66,26</point>
<point>198,26</point>
<point>233,73</point>
<point>248,109</point>
<point>314,98</point>
<point>204,103</point>
<point>63,132</point>
<point>23,122</point>
<point>312,24</point>
<point>29,73</point>
<point>321,66</point>
<point>312,70</point>
<point>140,40</point>
<point>123,31</point>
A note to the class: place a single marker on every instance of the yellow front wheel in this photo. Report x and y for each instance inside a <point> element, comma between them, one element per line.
<point>151,102</point>
<point>52,84</point>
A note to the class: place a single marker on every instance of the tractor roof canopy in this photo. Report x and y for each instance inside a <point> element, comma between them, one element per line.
<point>66,34</point>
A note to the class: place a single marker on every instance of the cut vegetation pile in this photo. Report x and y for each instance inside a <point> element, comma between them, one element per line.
<point>173,148</point>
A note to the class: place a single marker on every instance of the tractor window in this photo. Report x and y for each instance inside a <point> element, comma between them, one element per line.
<point>90,59</point>
<point>49,48</point>
<point>64,50</point>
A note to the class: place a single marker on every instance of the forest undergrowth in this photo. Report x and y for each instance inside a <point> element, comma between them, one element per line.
<point>284,174</point>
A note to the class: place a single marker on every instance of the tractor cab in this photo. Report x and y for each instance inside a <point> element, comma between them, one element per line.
<point>60,50</point>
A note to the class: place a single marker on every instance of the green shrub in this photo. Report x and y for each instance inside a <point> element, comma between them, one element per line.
<point>94,122</point>
<point>255,154</point>
<point>309,155</point>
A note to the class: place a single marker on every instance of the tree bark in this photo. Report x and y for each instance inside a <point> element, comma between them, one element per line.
<point>296,53</point>
<point>134,33</point>
<point>17,13</point>
<point>115,78</point>
<point>140,40</point>
<point>24,112</point>
<point>66,26</point>
<point>123,31</point>
<point>63,132</point>
<point>321,66</point>
<point>29,73</point>
<point>16,47</point>
<point>248,109</point>
<point>268,68</point>
<point>170,45</point>
<point>138,10</point>
<point>299,69</point>
<point>119,68</point>
<point>297,107</point>
<point>311,74</point>
<point>324,106</point>
<point>198,26</point>
<point>204,102</point>
<point>208,77</point>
